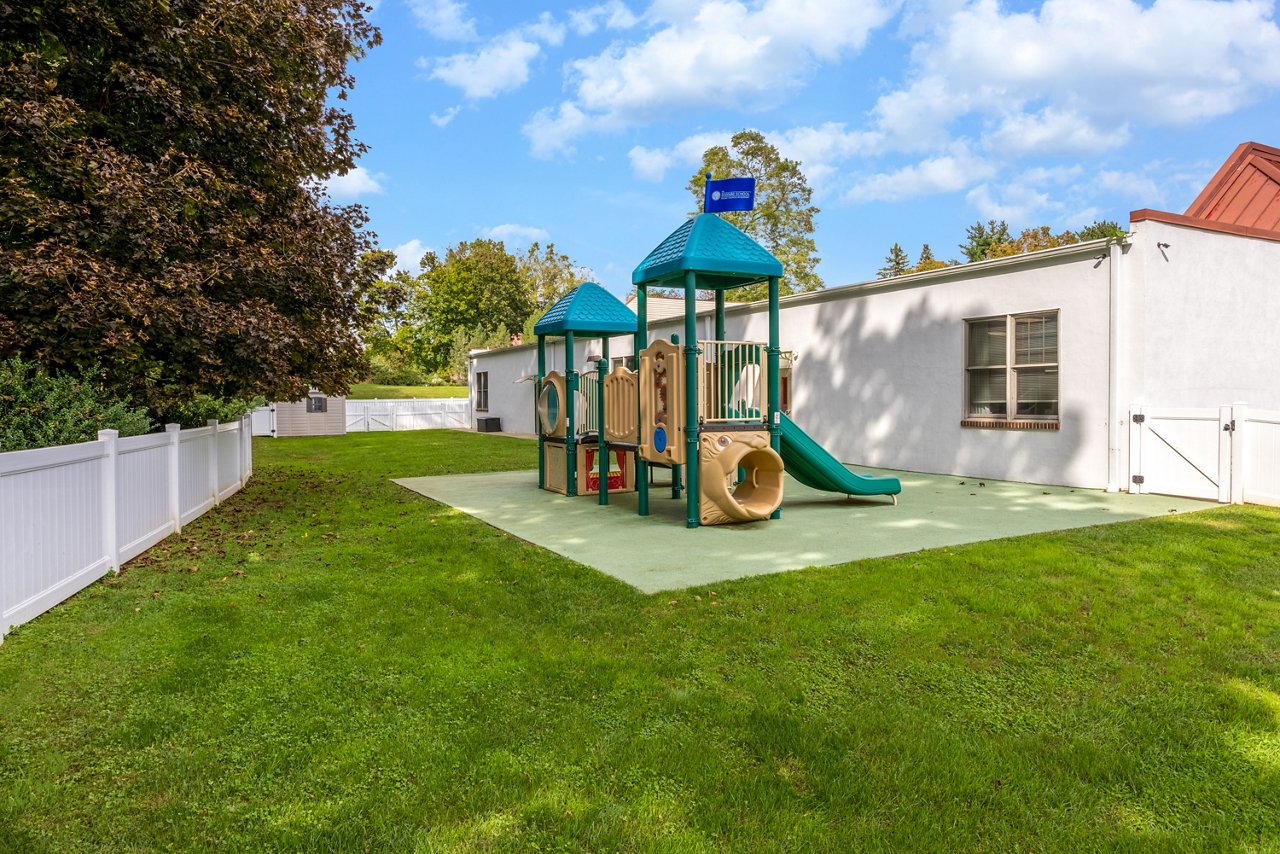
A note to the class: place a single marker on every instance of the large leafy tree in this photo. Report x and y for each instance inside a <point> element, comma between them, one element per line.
<point>477,287</point>
<point>782,220</point>
<point>549,275</point>
<point>160,204</point>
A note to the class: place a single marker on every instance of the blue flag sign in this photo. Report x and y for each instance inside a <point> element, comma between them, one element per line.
<point>730,194</point>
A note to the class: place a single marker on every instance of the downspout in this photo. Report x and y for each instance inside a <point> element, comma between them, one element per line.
<point>1115,259</point>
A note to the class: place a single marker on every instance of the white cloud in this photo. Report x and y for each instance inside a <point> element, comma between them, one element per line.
<point>1053,131</point>
<point>1017,204</point>
<point>409,254</point>
<point>442,119</point>
<point>820,150</point>
<point>1138,190</point>
<point>1073,75</point>
<point>553,130</point>
<point>651,164</point>
<point>944,174</point>
<point>613,15</point>
<point>499,66</point>
<point>1051,174</point>
<point>545,30</point>
<point>444,19</point>
<point>720,53</point>
<point>517,234</point>
<point>356,183</point>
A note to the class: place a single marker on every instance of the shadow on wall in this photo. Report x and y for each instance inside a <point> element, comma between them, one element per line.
<point>889,392</point>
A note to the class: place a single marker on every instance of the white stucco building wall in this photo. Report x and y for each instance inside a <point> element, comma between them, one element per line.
<point>1202,312</point>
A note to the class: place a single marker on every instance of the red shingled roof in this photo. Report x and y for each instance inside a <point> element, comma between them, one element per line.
<point>1246,190</point>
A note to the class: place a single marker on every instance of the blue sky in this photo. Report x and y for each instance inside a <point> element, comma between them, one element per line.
<point>579,123</point>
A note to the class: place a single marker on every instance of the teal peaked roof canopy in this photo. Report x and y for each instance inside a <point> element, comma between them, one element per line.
<point>722,255</point>
<point>588,310</point>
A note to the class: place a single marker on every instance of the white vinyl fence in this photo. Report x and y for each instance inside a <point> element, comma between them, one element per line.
<point>1229,454</point>
<point>365,416</point>
<point>73,513</point>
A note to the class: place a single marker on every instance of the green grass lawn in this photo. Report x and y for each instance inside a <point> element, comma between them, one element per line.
<point>369,391</point>
<point>330,662</point>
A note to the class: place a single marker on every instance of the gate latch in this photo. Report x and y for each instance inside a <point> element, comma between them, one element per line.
<point>1229,427</point>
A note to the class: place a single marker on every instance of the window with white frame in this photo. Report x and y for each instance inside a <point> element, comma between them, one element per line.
<point>1012,369</point>
<point>628,362</point>
<point>317,403</point>
<point>482,391</point>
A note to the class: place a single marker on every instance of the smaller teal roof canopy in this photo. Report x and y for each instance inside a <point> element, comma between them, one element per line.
<point>588,310</point>
<point>722,255</point>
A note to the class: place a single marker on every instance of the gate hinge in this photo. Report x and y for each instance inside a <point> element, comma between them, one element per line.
<point>1138,418</point>
<point>1139,479</point>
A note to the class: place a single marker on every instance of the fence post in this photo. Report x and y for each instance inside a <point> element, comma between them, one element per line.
<point>1239,436</point>
<point>110,535</point>
<point>246,448</point>
<point>1226,440</point>
<point>212,424</point>
<point>174,432</point>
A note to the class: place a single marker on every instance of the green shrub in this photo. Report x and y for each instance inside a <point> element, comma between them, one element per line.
<point>197,411</point>
<point>394,369</point>
<point>38,410</point>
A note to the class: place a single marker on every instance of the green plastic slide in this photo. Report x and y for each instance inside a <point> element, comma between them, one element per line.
<point>810,464</point>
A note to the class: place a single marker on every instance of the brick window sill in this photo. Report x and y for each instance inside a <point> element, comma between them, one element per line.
<point>1001,424</point>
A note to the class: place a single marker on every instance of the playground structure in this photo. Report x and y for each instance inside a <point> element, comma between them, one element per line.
<point>708,410</point>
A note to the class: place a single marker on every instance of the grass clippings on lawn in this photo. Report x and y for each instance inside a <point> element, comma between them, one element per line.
<point>330,662</point>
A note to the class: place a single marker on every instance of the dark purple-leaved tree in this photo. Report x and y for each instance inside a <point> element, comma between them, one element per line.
<point>161,210</point>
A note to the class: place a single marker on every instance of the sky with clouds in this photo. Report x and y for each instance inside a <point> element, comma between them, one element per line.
<point>580,123</point>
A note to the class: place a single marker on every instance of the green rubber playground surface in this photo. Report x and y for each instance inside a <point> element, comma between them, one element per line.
<point>658,552</point>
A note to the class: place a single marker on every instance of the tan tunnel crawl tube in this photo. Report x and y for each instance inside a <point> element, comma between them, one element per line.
<point>725,498</point>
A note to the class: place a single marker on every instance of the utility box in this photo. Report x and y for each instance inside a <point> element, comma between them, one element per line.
<point>489,424</point>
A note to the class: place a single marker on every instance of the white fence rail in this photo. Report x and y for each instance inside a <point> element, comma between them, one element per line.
<point>73,513</point>
<point>364,416</point>
<point>1226,454</point>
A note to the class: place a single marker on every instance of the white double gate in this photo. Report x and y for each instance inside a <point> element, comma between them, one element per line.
<point>1230,454</point>
<point>408,414</point>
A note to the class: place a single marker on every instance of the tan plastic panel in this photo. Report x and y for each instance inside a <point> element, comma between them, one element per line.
<point>621,420</point>
<point>548,426</point>
<point>662,401</point>
<point>756,496</point>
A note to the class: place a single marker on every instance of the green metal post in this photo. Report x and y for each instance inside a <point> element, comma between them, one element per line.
<point>571,417</point>
<point>602,368</point>
<point>775,384</point>
<point>719,315</point>
<point>537,422</point>
<point>642,467</point>
<point>691,396</point>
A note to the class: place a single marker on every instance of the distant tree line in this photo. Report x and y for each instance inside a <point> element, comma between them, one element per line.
<point>994,240</point>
